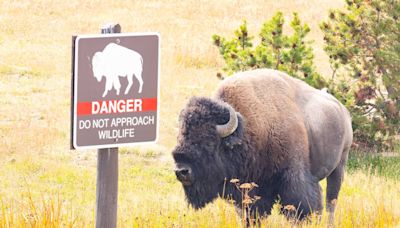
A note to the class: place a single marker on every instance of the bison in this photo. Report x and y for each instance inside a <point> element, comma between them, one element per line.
<point>266,127</point>
<point>115,61</point>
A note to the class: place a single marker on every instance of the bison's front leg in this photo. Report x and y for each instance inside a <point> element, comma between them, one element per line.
<point>300,195</point>
<point>116,84</point>
<point>108,87</point>
<point>261,208</point>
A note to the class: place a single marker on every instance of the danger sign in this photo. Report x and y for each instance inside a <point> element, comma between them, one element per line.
<point>115,89</point>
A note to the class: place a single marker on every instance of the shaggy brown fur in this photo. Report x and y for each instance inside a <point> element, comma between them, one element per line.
<point>266,103</point>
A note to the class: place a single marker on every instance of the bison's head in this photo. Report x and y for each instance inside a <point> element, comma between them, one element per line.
<point>98,65</point>
<point>203,158</point>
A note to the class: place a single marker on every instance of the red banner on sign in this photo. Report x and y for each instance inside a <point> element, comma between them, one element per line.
<point>117,106</point>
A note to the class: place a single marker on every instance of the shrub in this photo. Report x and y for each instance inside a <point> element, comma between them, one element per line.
<point>289,53</point>
<point>363,44</point>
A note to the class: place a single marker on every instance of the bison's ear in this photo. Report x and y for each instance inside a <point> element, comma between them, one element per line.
<point>237,137</point>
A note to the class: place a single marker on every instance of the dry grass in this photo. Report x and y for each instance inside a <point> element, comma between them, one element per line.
<point>62,193</point>
<point>43,183</point>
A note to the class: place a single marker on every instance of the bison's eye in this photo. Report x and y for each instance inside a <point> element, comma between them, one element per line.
<point>209,146</point>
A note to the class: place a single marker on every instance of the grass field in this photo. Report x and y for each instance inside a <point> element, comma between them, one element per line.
<point>44,184</point>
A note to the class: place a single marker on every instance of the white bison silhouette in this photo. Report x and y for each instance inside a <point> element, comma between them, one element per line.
<point>117,61</point>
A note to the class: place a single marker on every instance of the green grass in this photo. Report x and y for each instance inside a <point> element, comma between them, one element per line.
<point>386,166</point>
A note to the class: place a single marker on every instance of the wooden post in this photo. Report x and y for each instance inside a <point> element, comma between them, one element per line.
<point>107,188</point>
<point>107,173</point>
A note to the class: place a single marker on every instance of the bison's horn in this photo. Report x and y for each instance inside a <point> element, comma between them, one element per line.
<point>227,129</point>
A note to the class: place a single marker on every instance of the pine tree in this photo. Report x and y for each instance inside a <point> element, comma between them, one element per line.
<point>291,54</point>
<point>363,44</point>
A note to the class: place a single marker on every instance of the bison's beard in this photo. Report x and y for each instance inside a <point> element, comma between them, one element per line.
<point>199,194</point>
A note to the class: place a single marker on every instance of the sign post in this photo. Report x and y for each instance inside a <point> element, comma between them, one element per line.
<point>115,87</point>
<point>107,187</point>
<point>107,173</point>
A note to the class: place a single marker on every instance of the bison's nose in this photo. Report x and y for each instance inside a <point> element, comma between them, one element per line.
<point>183,175</point>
